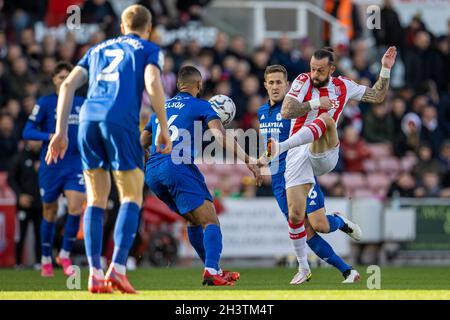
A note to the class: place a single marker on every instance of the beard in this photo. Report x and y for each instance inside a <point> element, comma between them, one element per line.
<point>319,84</point>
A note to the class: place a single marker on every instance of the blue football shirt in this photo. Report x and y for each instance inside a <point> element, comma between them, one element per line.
<point>272,125</point>
<point>116,79</point>
<point>42,122</point>
<point>187,117</point>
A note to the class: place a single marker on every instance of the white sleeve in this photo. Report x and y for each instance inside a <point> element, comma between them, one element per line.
<point>354,91</point>
<point>299,87</point>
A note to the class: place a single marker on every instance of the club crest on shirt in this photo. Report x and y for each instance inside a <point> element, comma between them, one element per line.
<point>297,86</point>
<point>337,90</point>
<point>278,116</point>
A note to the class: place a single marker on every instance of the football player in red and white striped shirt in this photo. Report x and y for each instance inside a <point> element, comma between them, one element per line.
<point>314,103</point>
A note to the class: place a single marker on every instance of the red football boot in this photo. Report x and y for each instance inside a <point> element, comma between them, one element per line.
<point>118,281</point>
<point>98,285</point>
<point>230,275</point>
<point>47,270</point>
<point>215,280</point>
<point>66,264</point>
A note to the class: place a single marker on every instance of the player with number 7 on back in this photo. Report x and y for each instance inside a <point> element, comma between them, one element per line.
<point>118,69</point>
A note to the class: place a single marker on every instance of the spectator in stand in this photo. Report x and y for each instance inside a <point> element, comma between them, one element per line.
<point>441,64</point>
<point>430,132</point>
<point>426,162</point>
<point>190,10</point>
<point>221,47</point>
<point>354,150</point>
<point>100,12</point>
<point>23,180</point>
<point>211,83</point>
<point>284,54</point>
<point>159,11</point>
<point>168,77</point>
<point>259,61</point>
<point>411,125</point>
<point>418,61</point>
<point>391,32</point>
<point>178,54</point>
<point>14,109</point>
<point>8,142</point>
<point>352,116</point>
<point>250,118</point>
<point>238,48</point>
<point>378,124</point>
<point>249,88</point>
<point>445,160</point>
<point>44,77</point>
<point>19,77</point>
<point>403,186</point>
<point>429,185</point>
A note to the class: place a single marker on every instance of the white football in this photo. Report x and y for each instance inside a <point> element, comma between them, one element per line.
<point>225,108</point>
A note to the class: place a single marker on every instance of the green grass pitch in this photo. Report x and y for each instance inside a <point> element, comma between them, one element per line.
<point>262,283</point>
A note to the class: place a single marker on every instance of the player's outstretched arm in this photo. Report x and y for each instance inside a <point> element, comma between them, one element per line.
<point>378,92</point>
<point>229,142</point>
<point>58,144</point>
<point>156,92</point>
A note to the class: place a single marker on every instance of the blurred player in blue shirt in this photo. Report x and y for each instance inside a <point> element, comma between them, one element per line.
<point>118,69</point>
<point>272,125</point>
<point>177,181</point>
<point>64,177</point>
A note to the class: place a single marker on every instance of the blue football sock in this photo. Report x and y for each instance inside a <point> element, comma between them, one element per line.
<point>335,222</point>
<point>70,231</point>
<point>324,251</point>
<point>195,234</point>
<point>47,236</point>
<point>212,241</point>
<point>125,231</point>
<point>93,233</point>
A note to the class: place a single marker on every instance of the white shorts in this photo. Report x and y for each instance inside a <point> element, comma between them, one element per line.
<point>323,163</point>
<point>302,165</point>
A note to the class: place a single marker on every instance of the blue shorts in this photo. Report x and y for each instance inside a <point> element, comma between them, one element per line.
<point>314,202</point>
<point>54,181</point>
<point>109,146</point>
<point>180,186</point>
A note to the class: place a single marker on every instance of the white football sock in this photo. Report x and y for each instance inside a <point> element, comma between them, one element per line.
<point>64,254</point>
<point>305,135</point>
<point>46,260</point>
<point>297,234</point>
<point>120,268</point>
<point>97,273</point>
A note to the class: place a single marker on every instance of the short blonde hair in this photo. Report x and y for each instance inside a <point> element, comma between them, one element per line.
<point>136,17</point>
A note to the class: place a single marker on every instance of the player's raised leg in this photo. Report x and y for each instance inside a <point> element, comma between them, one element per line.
<point>130,184</point>
<point>98,185</point>
<point>48,226</point>
<point>75,200</point>
<point>296,199</point>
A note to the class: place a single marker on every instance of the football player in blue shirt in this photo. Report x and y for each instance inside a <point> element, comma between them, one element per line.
<point>118,69</point>
<point>273,125</point>
<point>177,181</point>
<point>64,177</point>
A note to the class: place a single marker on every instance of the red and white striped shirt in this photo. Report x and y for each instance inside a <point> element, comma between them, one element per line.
<point>339,90</point>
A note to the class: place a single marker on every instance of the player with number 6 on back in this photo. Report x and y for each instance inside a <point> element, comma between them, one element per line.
<point>118,69</point>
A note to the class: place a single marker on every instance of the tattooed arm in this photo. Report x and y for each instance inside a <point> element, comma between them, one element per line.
<point>377,93</point>
<point>292,108</point>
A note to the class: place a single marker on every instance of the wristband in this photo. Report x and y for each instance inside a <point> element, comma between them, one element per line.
<point>315,104</point>
<point>385,72</point>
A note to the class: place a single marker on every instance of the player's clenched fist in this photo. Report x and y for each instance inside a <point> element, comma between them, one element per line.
<point>164,144</point>
<point>325,103</point>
